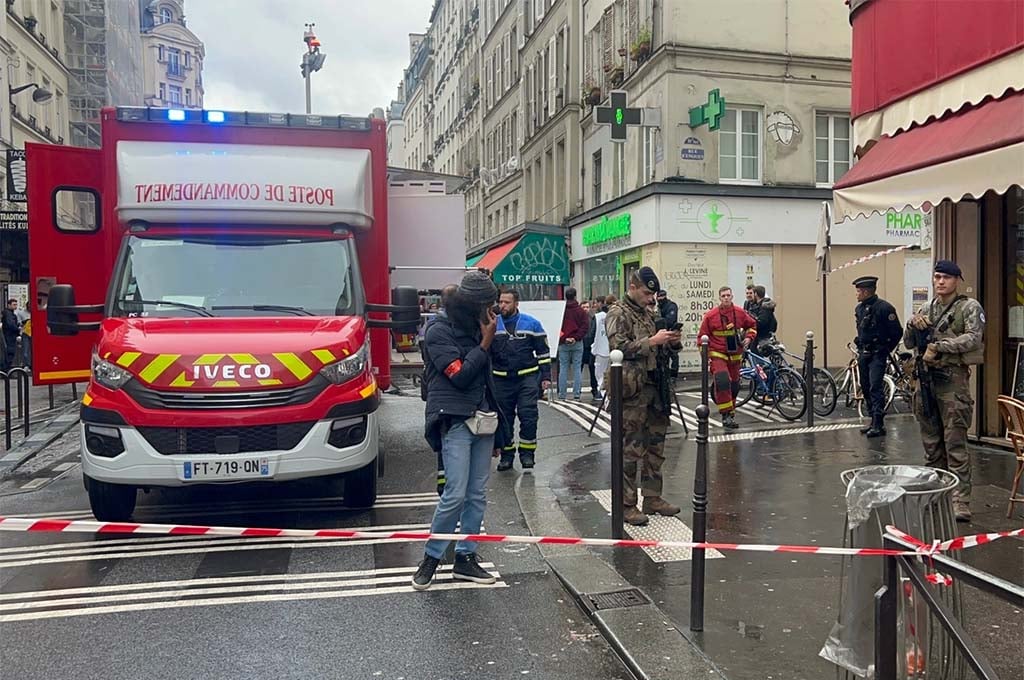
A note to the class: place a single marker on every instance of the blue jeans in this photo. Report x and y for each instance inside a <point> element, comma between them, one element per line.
<point>467,465</point>
<point>570,355</point>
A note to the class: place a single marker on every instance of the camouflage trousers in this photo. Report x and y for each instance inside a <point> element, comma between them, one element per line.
<point>644,425</point>
<point>944,434</point>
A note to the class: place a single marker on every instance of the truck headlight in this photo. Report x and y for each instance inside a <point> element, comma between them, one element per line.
<point>341,372</point>
<point>108,374</point>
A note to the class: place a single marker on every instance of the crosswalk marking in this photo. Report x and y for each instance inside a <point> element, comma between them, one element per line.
<point>782,432</point>
<point>658,529</point>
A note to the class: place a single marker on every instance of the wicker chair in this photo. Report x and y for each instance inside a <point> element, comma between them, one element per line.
<point>1013,415</point>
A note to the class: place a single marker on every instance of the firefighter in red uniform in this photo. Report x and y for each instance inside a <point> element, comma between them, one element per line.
<point>726,342</point>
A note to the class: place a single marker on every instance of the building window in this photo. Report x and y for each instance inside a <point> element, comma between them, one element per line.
<point>163,92</point>
<point>515,212</point>
<point>597,177</point>
<point>165,15</point>
<point>832,148</point>
<point>620,170</point>
<point>647,167</point>
<point>175,95</point>
<point>174,63</point>
<point>188,60</point>
<point>188,97</point>
<point>160,53</point>
<point>739,150</point>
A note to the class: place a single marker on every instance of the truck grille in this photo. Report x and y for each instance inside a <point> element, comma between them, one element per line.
<point>177,440</point>
<point>293,396</point>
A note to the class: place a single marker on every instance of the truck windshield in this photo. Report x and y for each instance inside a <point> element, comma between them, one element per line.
<point>239,276</point>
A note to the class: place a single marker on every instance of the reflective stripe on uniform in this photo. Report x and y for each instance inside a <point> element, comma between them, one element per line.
<point>529,446</point>
<point>527,371</point>
<point>725,407</point>
<point>503,374</point>
<point>545,360</point>
<point>723,334</point>
<point>726,357</point>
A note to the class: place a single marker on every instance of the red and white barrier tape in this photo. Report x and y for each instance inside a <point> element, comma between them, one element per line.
<point>872,256</point>
<point>86,526</point>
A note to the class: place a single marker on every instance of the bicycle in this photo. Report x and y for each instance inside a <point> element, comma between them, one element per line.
<point>848,382</point>
<point>900,369</point>
<point>783,386</point>
<point>825,393</point>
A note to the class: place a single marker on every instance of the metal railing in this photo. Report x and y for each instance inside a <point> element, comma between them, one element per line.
<point>887,665</point>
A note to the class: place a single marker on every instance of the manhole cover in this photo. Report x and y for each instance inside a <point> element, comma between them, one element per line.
<point>617,599</point>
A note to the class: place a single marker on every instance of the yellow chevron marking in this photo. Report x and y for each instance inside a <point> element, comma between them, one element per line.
<point>368,391</point>
<point>1020,283</point>
<point>270,381</point>
<point>87,399</point>
<point>180,381</point>
<point>325,356</point>
<point>294,364</point>
<point>1020,269</point>
<point>208,359</point>
<point>226,383</point>
<point>244,359</point>
<point>128,358</point>
<point>345,352</point>
<point>157,366</point>
<point>107,355</point>
<point>1020,298</point>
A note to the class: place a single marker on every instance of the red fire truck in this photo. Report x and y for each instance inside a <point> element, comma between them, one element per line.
<point>216,276</point>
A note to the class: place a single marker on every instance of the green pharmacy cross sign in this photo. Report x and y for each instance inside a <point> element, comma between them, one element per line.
<point>710,113</point>
<point>618,116</point>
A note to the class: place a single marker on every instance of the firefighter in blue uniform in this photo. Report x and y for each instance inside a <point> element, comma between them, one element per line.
<point>878,333</point>
<point>521,363</point>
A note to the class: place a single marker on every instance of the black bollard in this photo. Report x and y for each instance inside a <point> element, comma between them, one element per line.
<point>7,410</point>
<point>809,377</point>
<point>50,390</point>
<point>24,379</point>
<point>700,498</point>
<point>615,406</point>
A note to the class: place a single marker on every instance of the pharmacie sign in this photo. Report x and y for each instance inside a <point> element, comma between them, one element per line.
<point>608,234</point>
<point>906,224</point>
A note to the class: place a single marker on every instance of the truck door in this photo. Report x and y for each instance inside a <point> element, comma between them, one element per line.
<point>68,243</point>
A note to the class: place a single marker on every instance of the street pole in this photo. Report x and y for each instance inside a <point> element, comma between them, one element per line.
<point>824,320</point>
<point>615,405</point>
<point>809,378</point>
<point>309,94</point>
<point>700,498</point>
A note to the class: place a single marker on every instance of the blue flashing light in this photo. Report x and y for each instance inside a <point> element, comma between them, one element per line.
<point>176,114</point>
<point>214,116</point>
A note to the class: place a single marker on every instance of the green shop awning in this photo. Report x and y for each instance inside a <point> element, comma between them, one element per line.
<point>471,262</point>
<point>534,258</point>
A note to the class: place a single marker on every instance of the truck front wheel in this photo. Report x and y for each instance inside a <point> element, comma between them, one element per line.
<point>361,486</point>
<point>111,502</point>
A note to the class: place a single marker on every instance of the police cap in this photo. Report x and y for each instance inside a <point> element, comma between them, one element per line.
<point>866,282</point>
<point>948,267</point>
<point>649,279</point>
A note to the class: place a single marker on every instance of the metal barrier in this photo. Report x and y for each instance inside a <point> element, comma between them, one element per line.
<point>24,381</point>
<point>700,496</point>
<point>887,666</point>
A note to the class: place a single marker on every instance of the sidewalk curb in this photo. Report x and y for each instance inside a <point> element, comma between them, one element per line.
<point>642,636</point>
<point>66,418</point>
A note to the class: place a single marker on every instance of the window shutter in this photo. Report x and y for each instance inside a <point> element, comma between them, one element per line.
<point>521,22</point>
<point>531,106</point>
<point>508,61</point>
<point>588,57</point>
<point>607,39</point>
<point>552,74</point>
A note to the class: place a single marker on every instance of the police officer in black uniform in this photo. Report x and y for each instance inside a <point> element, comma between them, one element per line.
<point>670,313</point>
<point>878,333</point>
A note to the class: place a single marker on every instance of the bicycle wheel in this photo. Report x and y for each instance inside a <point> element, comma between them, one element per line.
<point>844,385</point>
<point>825,393</point>
<point>888,393</point>
<point>746,391</point>
<point>790,398</point>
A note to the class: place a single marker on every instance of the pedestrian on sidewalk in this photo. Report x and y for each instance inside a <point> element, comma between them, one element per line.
<point>592,308</point>
<point>878,334</point>
<point>575,323</point>
<point>601,350</point>
<point>26,337</point>
<point>749,302</point>
<point>669,311</point>
<point>948,335</point>
<point>460,402</point>
<point>730,330</point>
<point>631,328</point>
<point>11,329</point>
<point>521,364</point>
<point>763,312</point>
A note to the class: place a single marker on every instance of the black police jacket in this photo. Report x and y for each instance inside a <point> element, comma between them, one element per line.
<point>457,374</point>
<point>878,327</point>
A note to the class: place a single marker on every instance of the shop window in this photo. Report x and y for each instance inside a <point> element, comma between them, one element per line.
<point>833,152</point>
<point>739,150</point>
<point>597,177</point>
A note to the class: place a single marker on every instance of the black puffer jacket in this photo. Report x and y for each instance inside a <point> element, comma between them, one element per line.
<point>458,376</point>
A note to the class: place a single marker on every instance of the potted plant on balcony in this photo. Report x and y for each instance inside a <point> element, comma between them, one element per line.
<point>30,23</point>
<point>591,93</point>
<point>641,49</point>
<point>616,75</point>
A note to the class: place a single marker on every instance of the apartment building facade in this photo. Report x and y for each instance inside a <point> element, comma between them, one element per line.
<point>173,56</point>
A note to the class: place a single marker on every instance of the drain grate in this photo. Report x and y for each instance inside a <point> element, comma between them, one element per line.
<point>617,599</point>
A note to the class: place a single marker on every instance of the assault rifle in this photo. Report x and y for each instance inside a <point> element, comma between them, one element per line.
<point>926,385</point>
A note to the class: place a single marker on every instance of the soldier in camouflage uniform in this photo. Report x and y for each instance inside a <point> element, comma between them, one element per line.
<point>631,329</point>
<point>954,328</point>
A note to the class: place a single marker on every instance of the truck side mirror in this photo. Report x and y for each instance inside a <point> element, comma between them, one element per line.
<point>61,319</point>
<point>406,317</point>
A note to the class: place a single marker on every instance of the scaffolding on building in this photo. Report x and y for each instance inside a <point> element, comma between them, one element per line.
<point>104,55</point>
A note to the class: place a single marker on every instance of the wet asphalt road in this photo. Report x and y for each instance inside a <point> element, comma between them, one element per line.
<point>89,606</point>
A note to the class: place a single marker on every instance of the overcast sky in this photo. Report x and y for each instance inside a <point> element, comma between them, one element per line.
<point>254,48</point>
